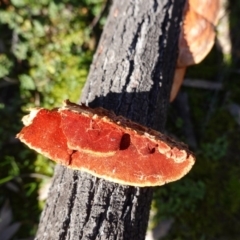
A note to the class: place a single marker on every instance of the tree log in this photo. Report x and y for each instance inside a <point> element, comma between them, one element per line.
<point>131,74</point>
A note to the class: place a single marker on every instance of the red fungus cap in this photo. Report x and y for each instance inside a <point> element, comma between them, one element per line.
<point>105,145</point>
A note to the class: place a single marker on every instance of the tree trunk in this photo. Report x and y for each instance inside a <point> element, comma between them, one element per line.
<point>131,75</point>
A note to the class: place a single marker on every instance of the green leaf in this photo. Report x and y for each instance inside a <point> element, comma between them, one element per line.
<point>20,51</point>
<point>19,3</point>
<point>5,65</point>
<point>27,82</point>
<point>38,29</point>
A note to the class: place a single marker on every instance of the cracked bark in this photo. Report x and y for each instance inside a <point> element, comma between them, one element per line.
<point>131,75</point>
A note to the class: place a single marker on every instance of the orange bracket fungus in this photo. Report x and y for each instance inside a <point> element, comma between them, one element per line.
<point>105,145</point>
<point>196,38</point>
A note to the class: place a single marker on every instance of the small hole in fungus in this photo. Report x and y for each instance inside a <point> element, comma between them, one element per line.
<point>151,150</point>
<point>125,141</point>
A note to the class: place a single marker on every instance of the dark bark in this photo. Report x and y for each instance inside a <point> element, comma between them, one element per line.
<point>131,74</point>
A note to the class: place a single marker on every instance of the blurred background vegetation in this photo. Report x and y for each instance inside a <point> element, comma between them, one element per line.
<point>46,48</point>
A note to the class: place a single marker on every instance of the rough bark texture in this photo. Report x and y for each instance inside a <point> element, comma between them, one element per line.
<point>131,74</point>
